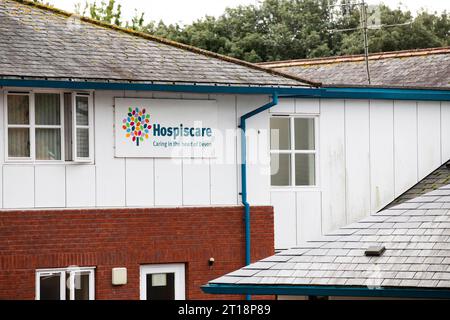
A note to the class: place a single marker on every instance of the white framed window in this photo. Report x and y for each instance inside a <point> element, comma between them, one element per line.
<point>293,151</point>
<point>82,128</point>
<point>48,126</point>
<point>162,282</point>
<point>71,283</point>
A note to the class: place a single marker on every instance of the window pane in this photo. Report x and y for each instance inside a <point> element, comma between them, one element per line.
<point>48,144</point>
<point>81,286</point>
<point>305,171</point>
<point>304,134</point>
<point>280,167</point>
<point>50,287</point>
<point>18,109</point>
<point>161,286</point>
<point>280,136</point>
<point>82,111</point>
<point>68,123</point>
<point>47,108</point>
<point>19,142</point>
<point>82,143</point>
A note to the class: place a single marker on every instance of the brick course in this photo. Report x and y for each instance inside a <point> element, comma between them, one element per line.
<point>108,238</point>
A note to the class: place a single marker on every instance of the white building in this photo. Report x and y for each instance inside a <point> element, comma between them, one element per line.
<point>153,209</point>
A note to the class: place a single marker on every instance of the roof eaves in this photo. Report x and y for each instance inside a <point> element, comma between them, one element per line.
<point>342,291</point>
<point>149,81</point>
<point>169,42</point>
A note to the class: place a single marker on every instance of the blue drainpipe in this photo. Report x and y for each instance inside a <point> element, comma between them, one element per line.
<point>242,125</point>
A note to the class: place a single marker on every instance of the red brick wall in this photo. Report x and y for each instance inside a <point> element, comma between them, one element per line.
<point>31,240</point>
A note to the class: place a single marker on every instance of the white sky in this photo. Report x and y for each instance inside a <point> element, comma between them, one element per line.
<point>186,11</point>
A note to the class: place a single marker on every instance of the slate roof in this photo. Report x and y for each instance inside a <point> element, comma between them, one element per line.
<point>423,68</point>
<point>46,43</point>
<point>415,233</point>
<point>438,178</point>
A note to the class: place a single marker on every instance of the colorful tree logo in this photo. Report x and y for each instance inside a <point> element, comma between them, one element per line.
<point>136,125</point>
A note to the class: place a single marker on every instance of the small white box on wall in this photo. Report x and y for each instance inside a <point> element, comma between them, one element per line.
<point>119,276</point>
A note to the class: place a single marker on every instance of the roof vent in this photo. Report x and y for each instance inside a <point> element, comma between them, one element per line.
<point>375,251</point>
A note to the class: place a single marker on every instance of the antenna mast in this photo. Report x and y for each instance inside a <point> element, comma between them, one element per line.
<point>366,39</point>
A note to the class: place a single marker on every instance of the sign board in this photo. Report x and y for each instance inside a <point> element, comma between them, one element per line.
<point>165,128</point>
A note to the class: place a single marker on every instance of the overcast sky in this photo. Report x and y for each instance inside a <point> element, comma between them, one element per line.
<point>184,11</point>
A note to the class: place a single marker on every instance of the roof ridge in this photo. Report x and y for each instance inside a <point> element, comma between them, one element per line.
<point>357,57</point>
<point>167,42</point>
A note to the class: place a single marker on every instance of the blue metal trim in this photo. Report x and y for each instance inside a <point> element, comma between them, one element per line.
<point>244,174</point>
<point>386,93</point>
<point>301,92</point>
<point>327,291</point>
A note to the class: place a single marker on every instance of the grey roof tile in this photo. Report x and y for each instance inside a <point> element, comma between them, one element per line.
<point>441,276</point>
<point>249,280</point>
<point>226,279</point>
<point>301,281</point>
<point>443,284</point>
<point>276,258</point>
<point>267,273</point>
<point>391,282</point>
<point>428,283</point>
<point>260,265</point>
<point>39,43</point>
<point>409,283</point>
<point>403,68</point>
<point>243,273</point>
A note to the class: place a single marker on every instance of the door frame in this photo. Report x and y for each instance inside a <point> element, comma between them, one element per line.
<point>179,280</point>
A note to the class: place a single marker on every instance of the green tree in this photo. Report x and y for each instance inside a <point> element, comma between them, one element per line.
<point>108,12</point>
<point>290,29</point>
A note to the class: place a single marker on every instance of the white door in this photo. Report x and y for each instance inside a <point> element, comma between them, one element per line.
<point>162,282</point>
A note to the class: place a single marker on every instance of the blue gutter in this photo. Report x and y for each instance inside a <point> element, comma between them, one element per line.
<point>343,291</point>
<point>243,127</point>
<point>300,92</point>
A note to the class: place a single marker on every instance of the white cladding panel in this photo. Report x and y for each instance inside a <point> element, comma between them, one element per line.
<point>224,169</point>
<point>284,204</point>
<point>381,153</point>
<point>50,184</point>
<point>18,186</point>
<point>429,137</point>
<point>196,182</point>
<point>168,182</point>
<point>110,171</point>
<point>445,130</point>
<point>405,145</point>
<point>309,220</point>
<point>80,186</point>
<point>140,186</point>
<point>357,159</point>
<point>258,146</point>
<point>332,164</point>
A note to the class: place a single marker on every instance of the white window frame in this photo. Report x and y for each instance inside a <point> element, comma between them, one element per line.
<point>29,126</point>
<point>32,127</point>
<point>292,151</point>
<point>90,127</point>
<point>180,279</point>
<point>64,278</point>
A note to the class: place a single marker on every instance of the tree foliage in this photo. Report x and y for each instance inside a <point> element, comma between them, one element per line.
<point>290,29</point>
